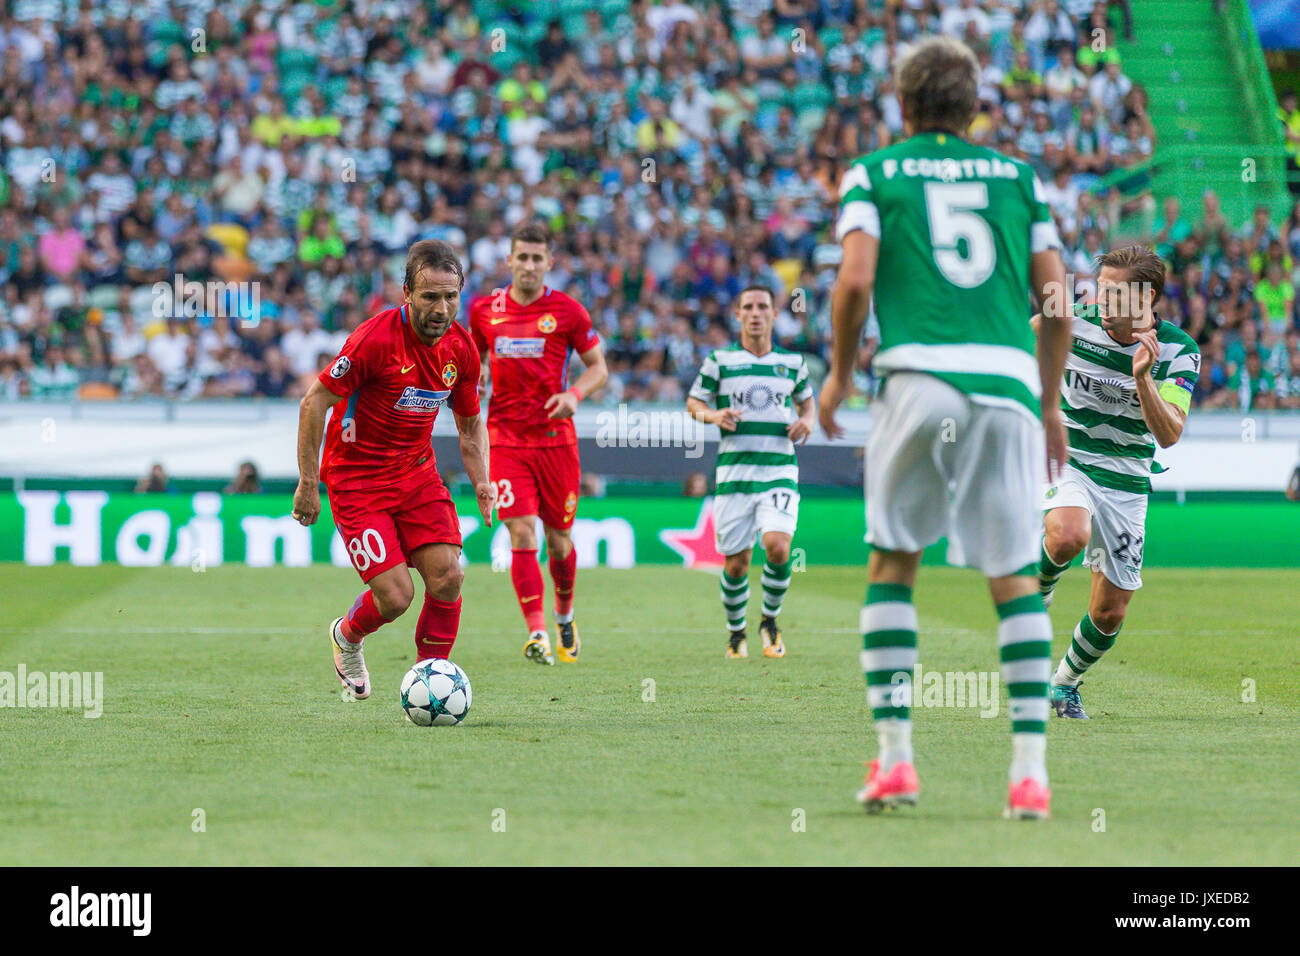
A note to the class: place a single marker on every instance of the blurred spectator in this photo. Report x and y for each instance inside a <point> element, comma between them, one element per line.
<point>155,481</point>
<point>1276,298</point>
<point>696,485</point>
<point>54,378</point>
<point>245,482</point>
<point>276,380</point>
<point>1288,112</point>
<point>1252,386</point>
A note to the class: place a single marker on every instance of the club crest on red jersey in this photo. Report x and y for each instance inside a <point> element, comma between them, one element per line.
<point>449,373</point>
<point>546,324</point>
<point>570,503</point>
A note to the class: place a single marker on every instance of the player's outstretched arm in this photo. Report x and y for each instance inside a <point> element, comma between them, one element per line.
<point>1164,418</point>
<point>802,426</point>
<point>1047,273</point>
<point>474,455</point>
<point>564,404</point>
<point>311,426</point>
<point>725,418</point>
<point>850,303</point>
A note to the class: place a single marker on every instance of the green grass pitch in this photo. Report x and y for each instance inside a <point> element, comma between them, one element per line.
<point>220,697</point>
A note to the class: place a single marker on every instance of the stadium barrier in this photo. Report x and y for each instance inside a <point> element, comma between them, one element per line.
<point>206,530</point>
<point>1220,451</point>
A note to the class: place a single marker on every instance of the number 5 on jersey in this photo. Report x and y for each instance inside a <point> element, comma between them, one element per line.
<point>950,210</point>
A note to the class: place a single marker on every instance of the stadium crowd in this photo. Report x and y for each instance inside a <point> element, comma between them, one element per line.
<point>679,152</point>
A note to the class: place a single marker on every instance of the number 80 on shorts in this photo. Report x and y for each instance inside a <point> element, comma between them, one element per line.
<point>367,549</point>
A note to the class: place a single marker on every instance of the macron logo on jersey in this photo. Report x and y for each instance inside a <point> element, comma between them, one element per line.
<point>1089,347</point>
<point>420,399</point>
<point>506,347</point>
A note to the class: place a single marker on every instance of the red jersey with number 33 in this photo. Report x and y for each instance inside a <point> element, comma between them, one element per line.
<point>394,385</point>
<point>528,347</point>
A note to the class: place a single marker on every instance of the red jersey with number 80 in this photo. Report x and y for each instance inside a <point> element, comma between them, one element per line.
<point>395,385</point>
<point>528,348</point>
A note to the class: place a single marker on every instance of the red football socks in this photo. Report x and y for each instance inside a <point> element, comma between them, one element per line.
<point>363,618</point>
<point>563,574</point>
<point>435,631</point>
<point>526,574</point>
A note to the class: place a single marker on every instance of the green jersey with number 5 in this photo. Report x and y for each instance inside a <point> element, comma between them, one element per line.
<point>957,224</point>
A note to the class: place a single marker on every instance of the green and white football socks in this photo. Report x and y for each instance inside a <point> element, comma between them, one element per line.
<point>888,626</point>
<point>1049,572</point>
<point>735,599</point>
<point>1086,648</point>
<point>1025,654</point>
<point>776,581</point>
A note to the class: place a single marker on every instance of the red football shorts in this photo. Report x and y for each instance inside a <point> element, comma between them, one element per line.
<point>381,527</point>
<point>537,481</point>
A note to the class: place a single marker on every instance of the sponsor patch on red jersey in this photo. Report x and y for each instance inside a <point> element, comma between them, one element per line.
<point>504,347</point>
<point>421,399</point>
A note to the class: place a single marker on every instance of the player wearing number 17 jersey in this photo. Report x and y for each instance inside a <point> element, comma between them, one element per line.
<point>757,388</point>
<point>390,507</point>
<point>526,334</point>
<point>949,237</point>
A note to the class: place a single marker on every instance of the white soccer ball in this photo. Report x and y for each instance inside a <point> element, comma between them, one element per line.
<point>435,693</point>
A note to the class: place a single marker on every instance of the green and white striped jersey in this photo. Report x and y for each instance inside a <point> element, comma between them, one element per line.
<point>957,225</point>
<point>1109,439</point>
<point>763,390</point>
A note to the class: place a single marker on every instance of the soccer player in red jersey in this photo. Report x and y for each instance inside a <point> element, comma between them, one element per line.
<point>390,507</point>
<point>526,334</point>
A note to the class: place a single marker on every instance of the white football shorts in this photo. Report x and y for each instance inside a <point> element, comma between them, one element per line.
<point>1119,521</point>
<point>940,464</point>
<point>739,519</point>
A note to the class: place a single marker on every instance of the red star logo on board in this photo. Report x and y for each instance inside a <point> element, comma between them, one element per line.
<point>697,546</point>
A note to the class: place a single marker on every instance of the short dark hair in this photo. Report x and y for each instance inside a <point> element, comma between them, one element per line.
<point>756,287</point>
<point>1140,263</point>
<point>531,231</point>
<point>432,254</point>
<point>938,84</point>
